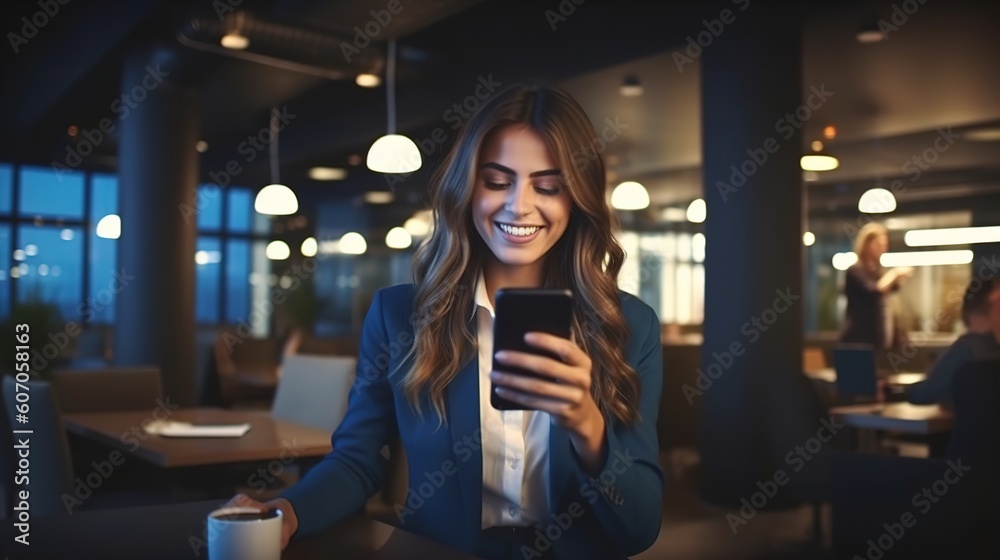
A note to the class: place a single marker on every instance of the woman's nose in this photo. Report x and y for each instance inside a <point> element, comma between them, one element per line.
<point>520,200</point>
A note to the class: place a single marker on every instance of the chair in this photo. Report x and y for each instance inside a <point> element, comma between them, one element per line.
<point>873,491</point>
<point>51,466</point>
<point>313,390</point>
<point>857,376</point>
<point>103,390</point>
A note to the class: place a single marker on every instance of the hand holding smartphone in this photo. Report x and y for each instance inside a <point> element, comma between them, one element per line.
<point>522,310</point>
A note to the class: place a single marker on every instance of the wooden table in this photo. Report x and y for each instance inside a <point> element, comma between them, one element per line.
<point>177,531</point>
<point>900,417</point>
<point>267,439</point>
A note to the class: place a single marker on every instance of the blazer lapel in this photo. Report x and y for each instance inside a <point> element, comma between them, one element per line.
<point>464,424</point>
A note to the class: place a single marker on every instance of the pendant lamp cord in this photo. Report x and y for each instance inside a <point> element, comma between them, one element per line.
<point>274,146</point>
<point>390,85</point>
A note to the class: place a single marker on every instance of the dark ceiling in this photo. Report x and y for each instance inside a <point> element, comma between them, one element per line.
<point>940,72</point>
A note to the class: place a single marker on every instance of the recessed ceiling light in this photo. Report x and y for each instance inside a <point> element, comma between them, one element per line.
<point>201,146</point>
<point>235,40</point>
<point>327,173</point>
<point>818,162</point>
<point>869,33</point>
<point>367,80</point>
<point>379,197</point>
<point>630,87</point>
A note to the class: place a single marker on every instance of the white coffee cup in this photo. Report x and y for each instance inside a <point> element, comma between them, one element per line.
<point>244,533</point>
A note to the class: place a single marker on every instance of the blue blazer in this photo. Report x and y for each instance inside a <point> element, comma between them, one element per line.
<point>611,516</point>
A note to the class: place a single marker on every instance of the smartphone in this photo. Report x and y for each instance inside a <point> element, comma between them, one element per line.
<point>522,310</point>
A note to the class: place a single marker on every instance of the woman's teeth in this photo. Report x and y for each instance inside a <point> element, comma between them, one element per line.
<point>518,231</point>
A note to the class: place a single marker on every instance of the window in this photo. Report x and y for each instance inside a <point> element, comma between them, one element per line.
<point>50,195</point>
<point>666,271</point>
<point>229,268</point>
<point>47,224</point>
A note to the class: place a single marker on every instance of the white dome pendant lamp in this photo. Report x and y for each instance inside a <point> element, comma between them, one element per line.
<point>275,199</point>
<point>393,153</point>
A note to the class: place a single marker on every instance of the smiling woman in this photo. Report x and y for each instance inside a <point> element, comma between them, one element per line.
<point>512,208</point>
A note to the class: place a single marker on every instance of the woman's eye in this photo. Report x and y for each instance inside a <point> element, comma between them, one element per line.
<point>495,186</point>
<point>550,190</point>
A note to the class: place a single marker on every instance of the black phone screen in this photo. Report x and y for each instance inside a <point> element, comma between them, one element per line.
<point>522,310</point>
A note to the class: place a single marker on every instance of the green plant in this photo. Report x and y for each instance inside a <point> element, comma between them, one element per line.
<point>43,318</point>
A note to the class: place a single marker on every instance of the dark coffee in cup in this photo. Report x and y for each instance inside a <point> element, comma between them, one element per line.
<point>243,516</point>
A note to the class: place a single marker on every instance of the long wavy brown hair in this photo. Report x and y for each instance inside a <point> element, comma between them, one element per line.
<point>585,260</point>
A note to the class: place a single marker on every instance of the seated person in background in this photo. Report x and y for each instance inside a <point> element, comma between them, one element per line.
<point>981,315</point>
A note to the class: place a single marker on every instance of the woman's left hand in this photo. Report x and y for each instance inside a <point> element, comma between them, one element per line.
<point>566,397</point>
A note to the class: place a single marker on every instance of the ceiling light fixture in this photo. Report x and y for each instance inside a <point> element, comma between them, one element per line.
<point>275,199</point>
<point>630,86</point>
<point>876,201</point>
<point>327,173</point>
<point>629,196</point>
<point>818,160</point>
<point>869,33</point>
<point>697,211</point>
<point>926,258</point>
<point>952,236</point>
<point>235,39</point>
<point>368,80</point>
<point>393,153</point>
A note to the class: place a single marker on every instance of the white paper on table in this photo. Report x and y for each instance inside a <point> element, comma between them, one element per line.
<point>187,429</point>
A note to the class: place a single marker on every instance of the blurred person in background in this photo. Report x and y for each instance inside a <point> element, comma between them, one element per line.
<point>981,342</point>
<point>869,319</point>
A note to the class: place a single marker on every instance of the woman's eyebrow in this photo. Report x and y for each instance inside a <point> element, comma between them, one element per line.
<point>506,170</point>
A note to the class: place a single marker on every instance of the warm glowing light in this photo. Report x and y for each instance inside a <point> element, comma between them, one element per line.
<point>952,236</point>
<point>353,243</point>
<point>419,225</point>
<point>367,80</point>
<point>926,258</point>
<point>818,162</point>
<point>235,40</point>
<point>629,196</point>
<point>843,261</point>
<point>829,132</point>
<point>394,153</point>
<point>877,201</point>
<point>379,197</point>
<point>327,173</point>
<point>309,247</point>
<point>697,211</point>
<point>276,200</point>
<point>110,227</point>
<point>277,250</point>
<point>398,238</point>
<point>808,238</point>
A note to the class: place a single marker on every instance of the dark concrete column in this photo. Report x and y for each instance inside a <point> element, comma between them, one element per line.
<point>751,91</point>
<point>158,173</point>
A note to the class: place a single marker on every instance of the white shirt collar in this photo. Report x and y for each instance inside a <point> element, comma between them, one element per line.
<point>482,298</point>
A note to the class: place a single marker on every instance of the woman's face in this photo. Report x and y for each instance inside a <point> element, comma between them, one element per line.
<point>520,203</point>
<point>877,246</point>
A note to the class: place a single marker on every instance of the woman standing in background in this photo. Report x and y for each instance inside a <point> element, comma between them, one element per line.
<point>868,319</point>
